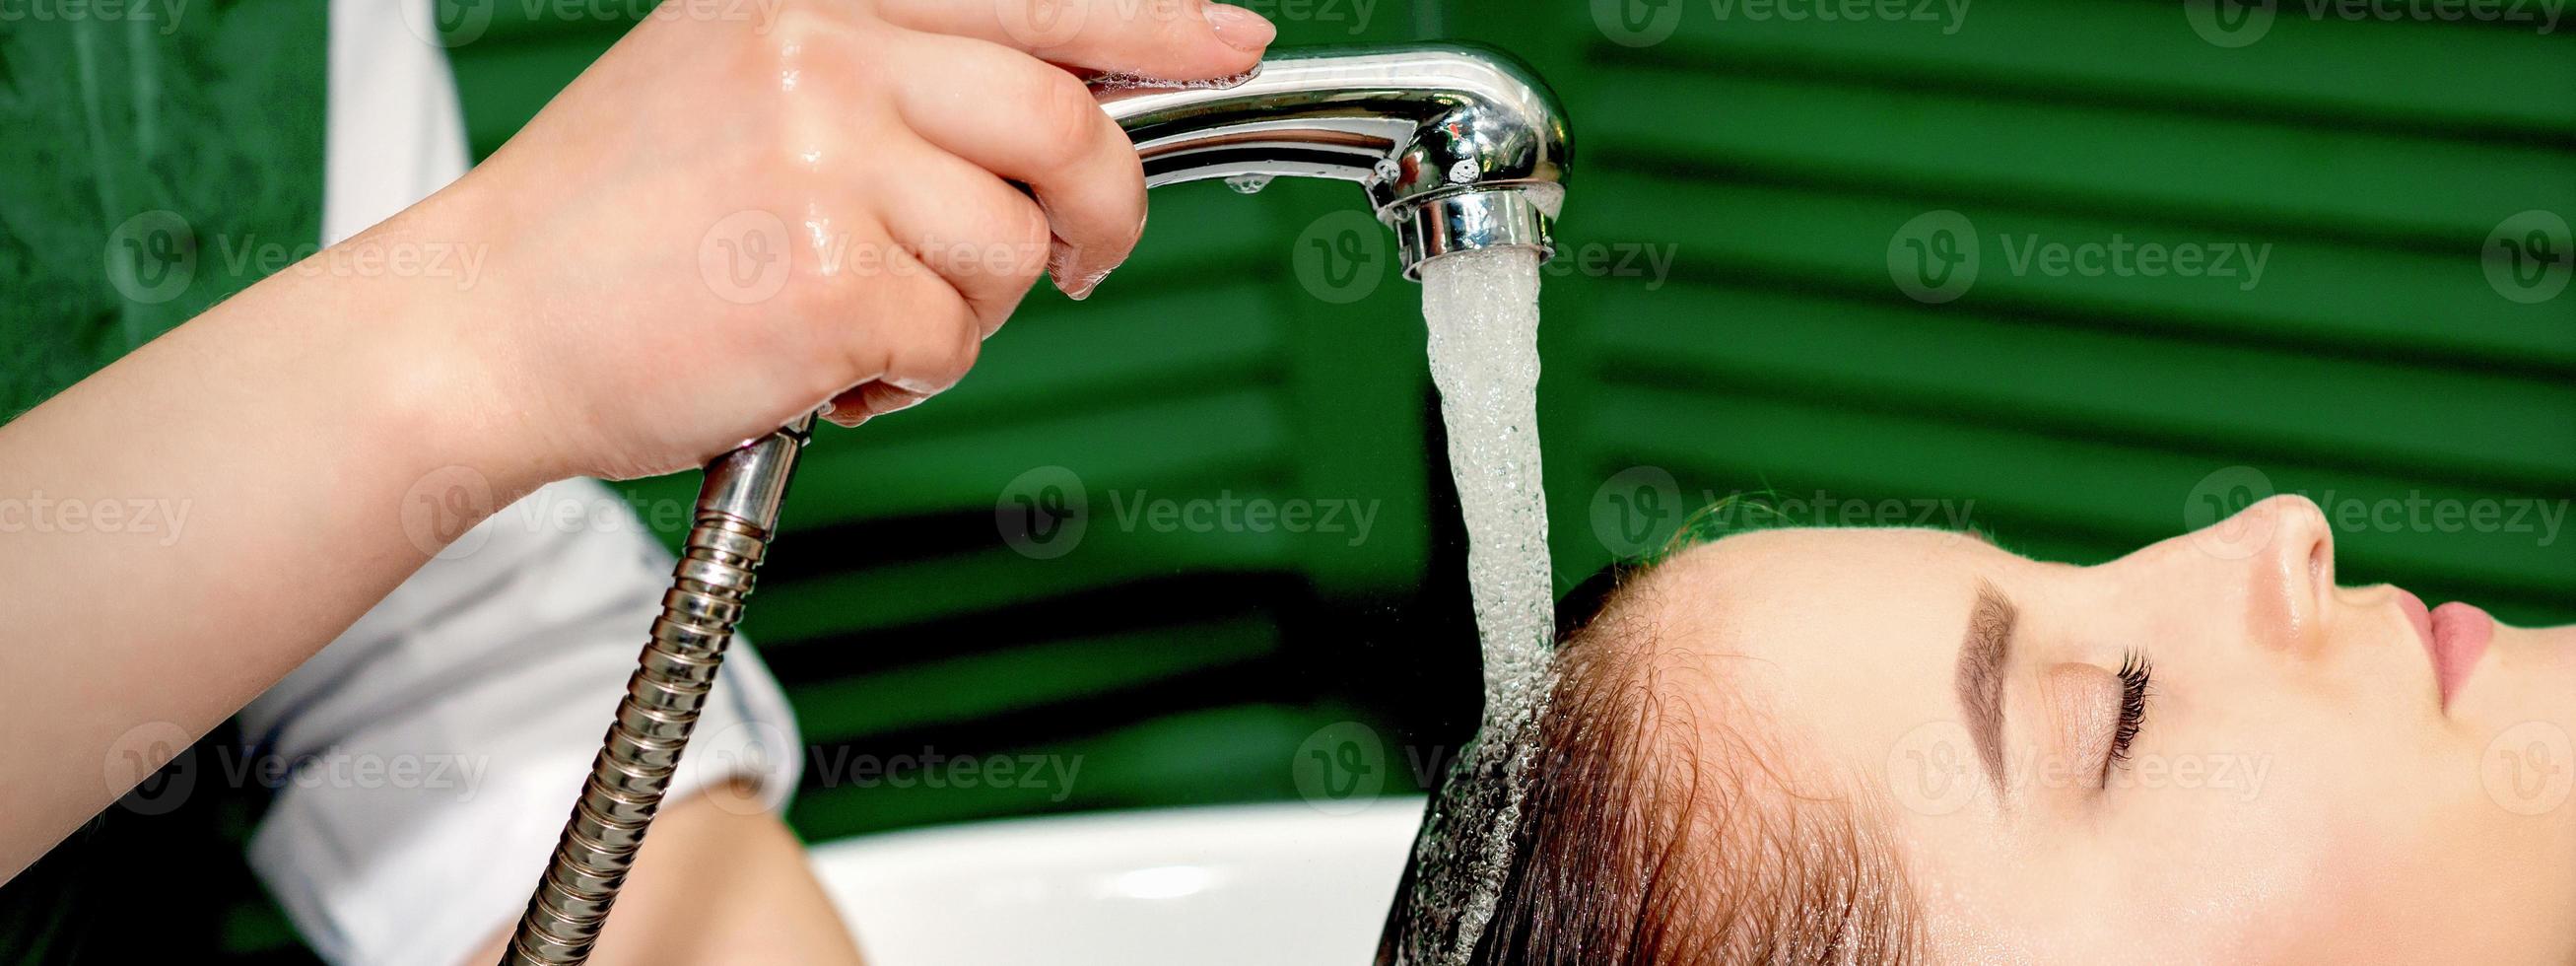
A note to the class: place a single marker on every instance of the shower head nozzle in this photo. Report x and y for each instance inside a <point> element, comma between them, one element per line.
<point>1460,147</point>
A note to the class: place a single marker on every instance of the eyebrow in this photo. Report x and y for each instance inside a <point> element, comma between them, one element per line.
<point>1982,657</point>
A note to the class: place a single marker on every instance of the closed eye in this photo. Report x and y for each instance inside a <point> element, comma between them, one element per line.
<point>2136,679</point>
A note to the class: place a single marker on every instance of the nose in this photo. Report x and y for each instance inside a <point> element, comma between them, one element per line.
<point>2285,550</point>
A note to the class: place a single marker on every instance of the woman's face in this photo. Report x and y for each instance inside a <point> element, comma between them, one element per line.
<point>2299,788</point>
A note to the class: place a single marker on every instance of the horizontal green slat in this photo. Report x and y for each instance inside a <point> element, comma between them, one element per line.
<point>917,591</point>
<point>2152,163</point>
<point>1106,449</point>
<point>1156,343</point>
<point>1022,678</point>
<point>2403,73</point>
<point>1233,754</point>
<point>2105,381</point>
<point>2333,296</point>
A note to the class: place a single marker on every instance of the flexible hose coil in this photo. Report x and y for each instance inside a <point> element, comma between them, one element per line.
<point>642,750</point>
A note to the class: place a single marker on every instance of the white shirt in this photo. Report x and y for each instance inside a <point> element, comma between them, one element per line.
<point>438,744</point>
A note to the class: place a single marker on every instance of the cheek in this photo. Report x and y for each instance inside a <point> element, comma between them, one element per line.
<point>2304,848</point>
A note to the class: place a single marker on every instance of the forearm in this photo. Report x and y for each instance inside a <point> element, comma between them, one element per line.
<point>721,880</point>
<point>187,525</point>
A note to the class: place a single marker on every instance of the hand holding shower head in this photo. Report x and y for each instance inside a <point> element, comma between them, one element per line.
<point>1461,148</point>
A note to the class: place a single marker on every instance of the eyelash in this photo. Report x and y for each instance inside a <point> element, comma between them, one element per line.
<point>2136,674</point>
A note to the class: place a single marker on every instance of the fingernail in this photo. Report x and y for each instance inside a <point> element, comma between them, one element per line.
<point>1241,29</point>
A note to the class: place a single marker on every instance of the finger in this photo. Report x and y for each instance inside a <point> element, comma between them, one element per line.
<point>1031,123</point>
<point>1166,39</point>
<point>965,226</point>
<point>869,401</point>
<point>924,344</point>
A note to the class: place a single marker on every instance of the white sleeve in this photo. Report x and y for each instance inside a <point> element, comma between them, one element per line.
<point>425,761</point>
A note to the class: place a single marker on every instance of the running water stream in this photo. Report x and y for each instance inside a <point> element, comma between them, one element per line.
<point>1482,310</point>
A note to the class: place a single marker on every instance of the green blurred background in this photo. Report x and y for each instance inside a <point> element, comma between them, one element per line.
<point>1732,313</point>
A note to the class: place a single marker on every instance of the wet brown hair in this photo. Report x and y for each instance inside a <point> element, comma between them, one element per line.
<point>1656,836</point>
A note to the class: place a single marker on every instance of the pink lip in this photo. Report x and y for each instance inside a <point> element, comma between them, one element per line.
<point>2455,635</point>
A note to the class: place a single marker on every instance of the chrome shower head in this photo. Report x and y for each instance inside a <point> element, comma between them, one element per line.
<point>1461,147</point>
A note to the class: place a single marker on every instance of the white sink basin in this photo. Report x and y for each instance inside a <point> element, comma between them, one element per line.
<point>1246,885</point>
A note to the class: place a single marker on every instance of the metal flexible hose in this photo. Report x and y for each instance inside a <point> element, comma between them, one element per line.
<point>737,514</point>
